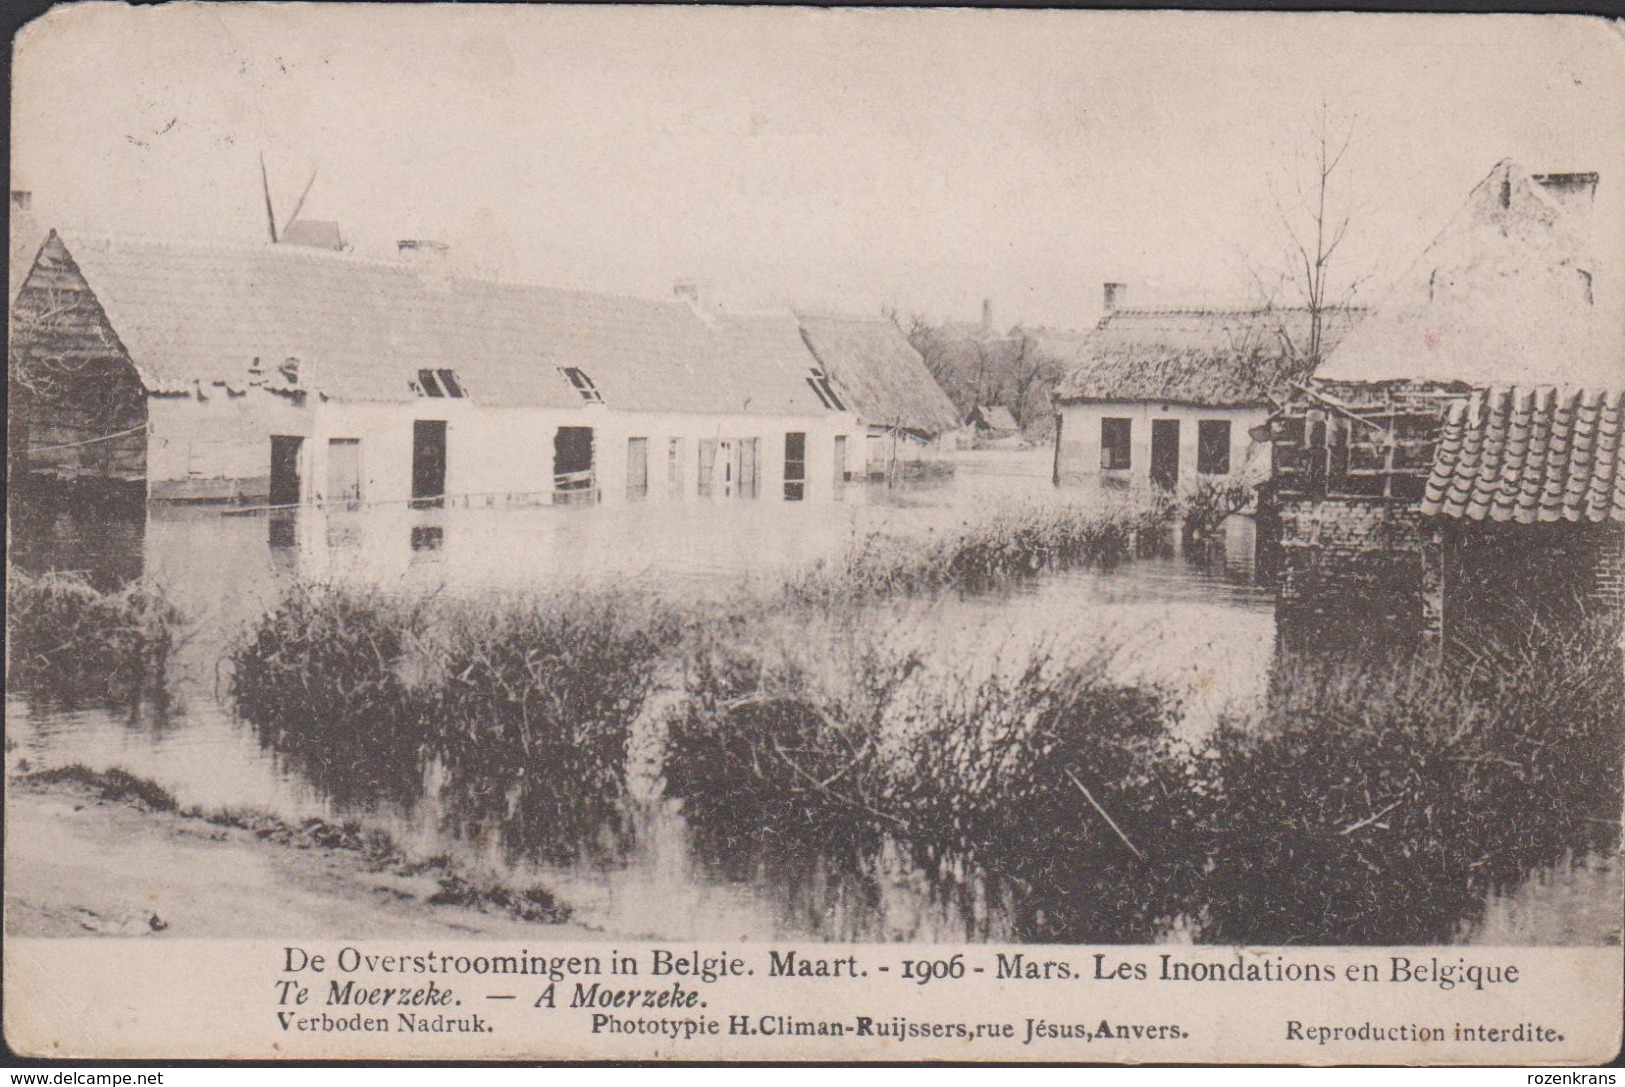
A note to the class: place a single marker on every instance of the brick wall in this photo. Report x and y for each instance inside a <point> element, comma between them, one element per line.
<point>1610,585</point>
<point>1355,557</point>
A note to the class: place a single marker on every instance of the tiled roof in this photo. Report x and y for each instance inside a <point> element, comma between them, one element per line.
<point>1530,454</point>
<point>192,313</point>
<point>1511,292</point>
<point>1215,358</point>
<point>878,373</point>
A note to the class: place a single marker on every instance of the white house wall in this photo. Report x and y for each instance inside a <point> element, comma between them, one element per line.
<point>611,449</point>
<point>1078,454</point>
<point>504,456</point>
<point>215,445</point>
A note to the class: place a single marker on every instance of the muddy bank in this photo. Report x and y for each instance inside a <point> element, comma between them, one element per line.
<point>108,854</point>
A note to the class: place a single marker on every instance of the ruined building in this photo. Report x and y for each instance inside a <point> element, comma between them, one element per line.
<point>1455,460</point>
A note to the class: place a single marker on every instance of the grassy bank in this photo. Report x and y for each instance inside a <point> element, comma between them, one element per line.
<point>374,849</point>
<point>74,644</point>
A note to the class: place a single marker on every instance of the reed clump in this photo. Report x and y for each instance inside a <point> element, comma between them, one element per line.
<point>1015,542</point>
<point>782,733</point>
<point>329,658</point>
<point>74,644</point>
<point>525,703</point>
<point>531,710</point>
<point>833,742</point>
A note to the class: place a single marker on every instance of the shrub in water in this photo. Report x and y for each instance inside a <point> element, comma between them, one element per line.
<point>74,644</point>
<point>328,657</point>
<point>533,708</point>
<point>324,680</point>
<point>781,735</point>
<point>1380,805</point>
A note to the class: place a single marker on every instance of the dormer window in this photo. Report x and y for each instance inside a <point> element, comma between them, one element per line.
<point>819,382</point>
<point>289,371</point>
<point>439,383</point>
<point>582,384</point>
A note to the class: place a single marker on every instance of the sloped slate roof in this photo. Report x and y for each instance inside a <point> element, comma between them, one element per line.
<point>878,373</point>
<point>1213,358</point>
<point>191,313</point>
<point>1530,454</point>
<point>1508,293</point>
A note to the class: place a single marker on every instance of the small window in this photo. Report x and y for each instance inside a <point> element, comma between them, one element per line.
<point>795,466</point>
<point>1213,447</point>
<point>428,385</point>
<point>583,384</point>
<point>819,381</point>
<point>449,382</point>
<point>1114,444</point>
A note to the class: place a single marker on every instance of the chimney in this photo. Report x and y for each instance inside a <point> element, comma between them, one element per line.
<point>987,316</point>
<point>422,250</point>
<point>22,201</point>
<point>1569,189</point>
<point>1114,294</point>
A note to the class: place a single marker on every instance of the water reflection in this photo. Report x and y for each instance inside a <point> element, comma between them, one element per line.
<point>428,537</point>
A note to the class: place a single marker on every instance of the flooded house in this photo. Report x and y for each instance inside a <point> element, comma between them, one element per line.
<point>1456,459</point>
<point>1169,397</point>
<point>289,374</point>
<point>905,418</point>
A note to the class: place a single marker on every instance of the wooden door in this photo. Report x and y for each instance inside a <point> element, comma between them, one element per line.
<point>344,471</point>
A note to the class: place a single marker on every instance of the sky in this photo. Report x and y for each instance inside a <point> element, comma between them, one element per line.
<point>842,160</point>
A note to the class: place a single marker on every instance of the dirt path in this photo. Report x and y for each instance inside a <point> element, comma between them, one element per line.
<point>79,865</point>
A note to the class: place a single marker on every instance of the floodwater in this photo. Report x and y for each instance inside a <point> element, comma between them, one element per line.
<point>1198,626</point>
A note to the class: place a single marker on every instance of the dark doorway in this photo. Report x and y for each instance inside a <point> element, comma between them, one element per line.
<point>573,482</point>
<point>1165,453</point>
<point>428,461</point>
<point>285,470</point>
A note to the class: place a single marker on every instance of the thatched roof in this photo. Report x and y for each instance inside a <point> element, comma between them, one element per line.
<point>1212,358</point>
<point>878,373</point>
<point>1508,293</point>
<point>194,313</point>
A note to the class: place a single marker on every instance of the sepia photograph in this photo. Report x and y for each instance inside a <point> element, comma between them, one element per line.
<point>602,480</point>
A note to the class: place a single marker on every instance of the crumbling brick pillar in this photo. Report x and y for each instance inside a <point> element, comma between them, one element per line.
<point>1431,539</point>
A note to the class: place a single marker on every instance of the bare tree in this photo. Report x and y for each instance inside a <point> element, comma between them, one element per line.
<point>1032,370</point>
<point>1316,207</point>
